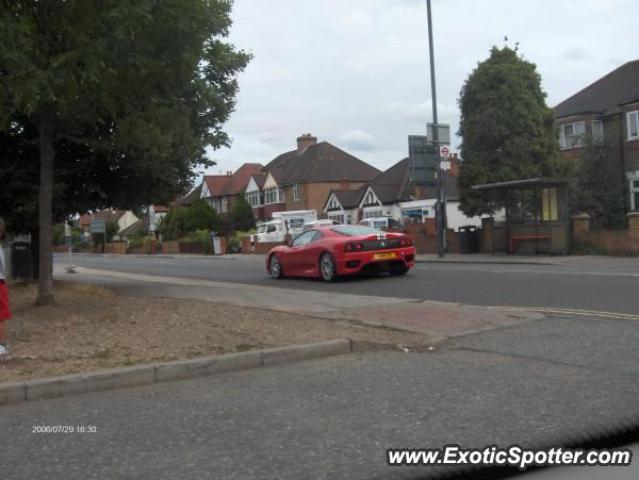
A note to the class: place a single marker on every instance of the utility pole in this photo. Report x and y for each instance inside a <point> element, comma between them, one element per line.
<point>440,203</point>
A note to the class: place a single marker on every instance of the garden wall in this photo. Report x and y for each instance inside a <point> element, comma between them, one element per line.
<point>611,242</point>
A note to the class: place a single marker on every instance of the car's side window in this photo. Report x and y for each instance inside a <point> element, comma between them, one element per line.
<point>303,238</point>
<point>317,236</point>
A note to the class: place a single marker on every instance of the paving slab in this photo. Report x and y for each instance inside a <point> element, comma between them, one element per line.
<point>321,419</point>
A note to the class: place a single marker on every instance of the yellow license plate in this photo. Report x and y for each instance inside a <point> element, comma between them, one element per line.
<point>384,256</point>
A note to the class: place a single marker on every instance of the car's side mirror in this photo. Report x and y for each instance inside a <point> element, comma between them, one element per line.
<point>288,240</point>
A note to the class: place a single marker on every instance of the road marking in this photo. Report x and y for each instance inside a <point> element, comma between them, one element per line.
<point>574,311</point>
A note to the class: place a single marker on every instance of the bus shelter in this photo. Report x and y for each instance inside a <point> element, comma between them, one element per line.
<point>529,216</point>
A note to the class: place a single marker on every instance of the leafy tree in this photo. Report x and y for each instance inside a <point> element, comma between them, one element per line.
<point>111,229</point>
<point>506,128</point>
<point>200,216</point>
<point>181,221</point>
<point>242,215</point>
<point>109,104</point>
<point>596,188</point>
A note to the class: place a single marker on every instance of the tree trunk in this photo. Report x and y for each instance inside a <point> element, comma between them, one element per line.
<point>45,206</point>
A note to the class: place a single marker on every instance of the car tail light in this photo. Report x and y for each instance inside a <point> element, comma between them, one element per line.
<point>353,247</point>
<point>406,242</point>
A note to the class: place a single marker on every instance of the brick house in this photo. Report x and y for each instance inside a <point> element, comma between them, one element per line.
<point>222,191</point>
<point>606,111</point>
<point>302,178</point>
<point>386,195</point>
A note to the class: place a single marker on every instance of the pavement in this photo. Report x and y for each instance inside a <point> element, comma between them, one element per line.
<point>564,381</point>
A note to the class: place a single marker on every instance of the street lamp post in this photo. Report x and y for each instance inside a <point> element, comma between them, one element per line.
<point>433,88</point>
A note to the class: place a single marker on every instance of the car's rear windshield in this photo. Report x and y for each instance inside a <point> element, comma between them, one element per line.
<point>355,230</point>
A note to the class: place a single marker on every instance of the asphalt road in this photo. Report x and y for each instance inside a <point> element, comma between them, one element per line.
<point>541,384</point>
<point>588,286</point>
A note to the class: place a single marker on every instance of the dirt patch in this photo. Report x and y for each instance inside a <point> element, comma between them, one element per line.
<point>93,328</point>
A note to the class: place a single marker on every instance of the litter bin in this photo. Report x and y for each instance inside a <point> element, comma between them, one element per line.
<point>21,261</point>
<point>468,239</point>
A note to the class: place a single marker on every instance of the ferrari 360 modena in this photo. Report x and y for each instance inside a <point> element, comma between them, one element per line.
<point>339,250</point>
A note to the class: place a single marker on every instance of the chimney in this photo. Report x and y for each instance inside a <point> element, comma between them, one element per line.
<point>454,164</point>
<point>304,141</point>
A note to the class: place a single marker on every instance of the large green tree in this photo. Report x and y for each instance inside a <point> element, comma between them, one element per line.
<point>596,187</point>
<point>506,128</point>
<point>110,103</point>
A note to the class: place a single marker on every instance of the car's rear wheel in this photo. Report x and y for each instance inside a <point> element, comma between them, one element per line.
<point>275,267</point>
<point>399,270</point>
<point>328,269</point>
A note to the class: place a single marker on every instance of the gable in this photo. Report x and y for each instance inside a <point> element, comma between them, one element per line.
<point>270,181</point>
<point>204,191</point>
<point>333,203</point>
<point>252,186</point>
<point>369,198</point>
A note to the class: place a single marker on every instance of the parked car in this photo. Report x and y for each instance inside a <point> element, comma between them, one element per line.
<point>386,223</point>
<point>339,250</point>
<point>319,223</point>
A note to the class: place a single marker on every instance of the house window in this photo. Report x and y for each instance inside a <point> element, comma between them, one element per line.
<point>597,132</point>
<point>634,193</point>
<point>296,192</point>
<point>632,119</point>
<point>377,212</point>
<point>337,217</point>
<point>224,205</point>
<point>273,195</point>
<point>254,198</point>
<point>571,135</point>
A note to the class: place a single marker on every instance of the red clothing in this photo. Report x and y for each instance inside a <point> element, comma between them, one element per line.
<point>5,313</point>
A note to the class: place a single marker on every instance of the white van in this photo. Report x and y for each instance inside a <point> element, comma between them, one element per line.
<point>284,222</point>
<point>380,223</point>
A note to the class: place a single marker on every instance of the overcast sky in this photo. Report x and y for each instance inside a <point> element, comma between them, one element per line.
<point>355,72</point>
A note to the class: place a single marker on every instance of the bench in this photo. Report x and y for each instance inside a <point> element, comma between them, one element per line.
<point>519,238</point>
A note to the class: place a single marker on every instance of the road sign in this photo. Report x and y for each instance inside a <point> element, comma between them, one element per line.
<point>443,133</point>
<point>444,152</point>
<point>423,160</point>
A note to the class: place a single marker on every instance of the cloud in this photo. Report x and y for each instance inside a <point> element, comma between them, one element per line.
<point>357,140</point>
<point>355,72</point>
<point>576,53</point>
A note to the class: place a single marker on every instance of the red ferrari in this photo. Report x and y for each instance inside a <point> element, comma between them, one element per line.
<point>334,251</point>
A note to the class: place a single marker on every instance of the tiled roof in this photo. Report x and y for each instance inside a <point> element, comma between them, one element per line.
<point>321,162</point>
<point>393,185</point>
<point>604,96</point>
<point>234,184</point>
<point>349,198</point>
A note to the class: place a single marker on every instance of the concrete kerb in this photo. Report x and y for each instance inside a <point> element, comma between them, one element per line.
<point>14,392</point>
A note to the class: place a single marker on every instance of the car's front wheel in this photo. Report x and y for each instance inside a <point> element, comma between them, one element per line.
<point>328,269</point>
<point>275,267</point>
